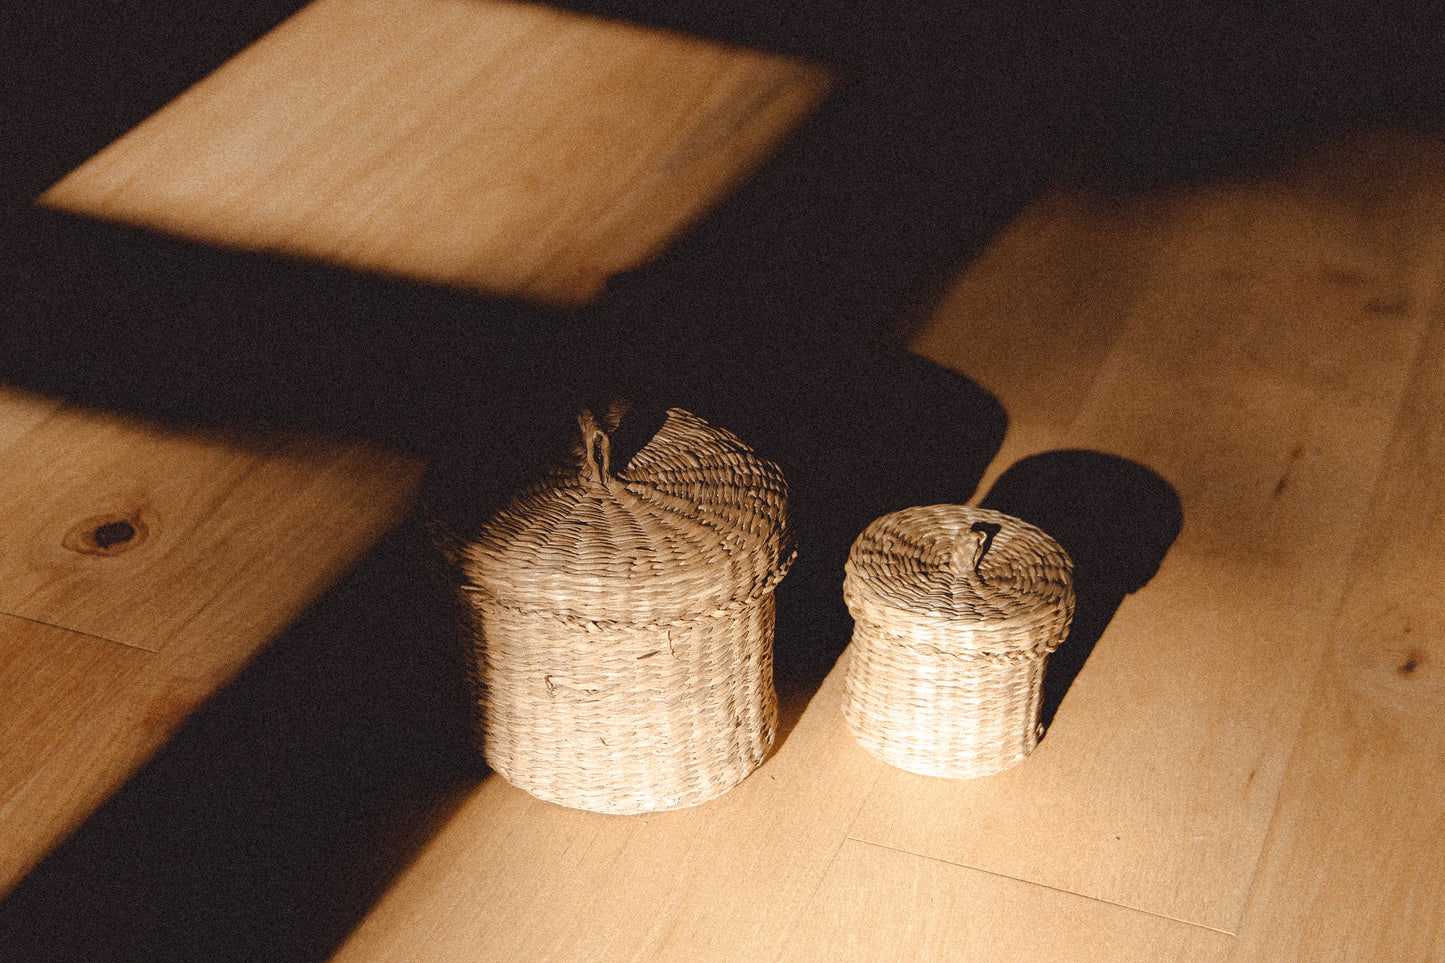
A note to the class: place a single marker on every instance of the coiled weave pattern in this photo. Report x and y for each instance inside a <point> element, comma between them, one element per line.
<point>623,623</point>
<point>955,610</point>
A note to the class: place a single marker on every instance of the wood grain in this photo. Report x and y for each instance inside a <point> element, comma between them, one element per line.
<point>882,904</point>
<point>109,647</point>
<point>1353,865</point>
<point>1258,374</point>
<point>514,878</point>
<point>54,685</point>
<point>50,681</point>
<point>506,147</point>
<point>191,516</point>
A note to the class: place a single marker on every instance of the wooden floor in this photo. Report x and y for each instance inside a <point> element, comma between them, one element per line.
<point>1250,766</point>
<point>143,568</point>
<point>502,146</point>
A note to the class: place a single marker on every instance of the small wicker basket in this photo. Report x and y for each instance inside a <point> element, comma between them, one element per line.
<point>623,623</point>
<point>955,612</point>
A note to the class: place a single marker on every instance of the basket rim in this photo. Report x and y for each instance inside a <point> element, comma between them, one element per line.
<point>761,588</point>
<point>861,590</point>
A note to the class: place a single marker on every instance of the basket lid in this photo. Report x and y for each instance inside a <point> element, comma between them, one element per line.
<point>694,524</point>
<point>959,563</point>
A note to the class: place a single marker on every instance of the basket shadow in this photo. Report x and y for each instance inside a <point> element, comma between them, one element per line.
<point>269,824</point>
<point>855,438</point>
<point>1116,519</point>
<point>895,431</point>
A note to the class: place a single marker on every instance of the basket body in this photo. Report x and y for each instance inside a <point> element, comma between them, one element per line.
<point>955,613</point>
<point>622,625</point>
<point>627,718</point>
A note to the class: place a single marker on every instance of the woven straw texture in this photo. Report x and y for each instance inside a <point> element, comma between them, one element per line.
<point>623,623</point>
<point>955,612</point>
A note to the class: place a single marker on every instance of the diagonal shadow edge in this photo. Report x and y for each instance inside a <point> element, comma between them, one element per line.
<point>275,816</point>
<point>1115,518</point>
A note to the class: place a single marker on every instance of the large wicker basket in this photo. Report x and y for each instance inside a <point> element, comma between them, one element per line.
<point>955,612</point>
<point>623,621</point>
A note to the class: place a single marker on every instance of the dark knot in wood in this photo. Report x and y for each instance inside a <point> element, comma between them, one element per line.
<point>106,534</point>
<point>113,533</point>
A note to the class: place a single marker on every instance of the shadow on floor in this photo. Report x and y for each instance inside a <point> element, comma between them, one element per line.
<point>1116,519</point>
<point>266,829</point>
<point>269,824</point>
<point>856,438</point>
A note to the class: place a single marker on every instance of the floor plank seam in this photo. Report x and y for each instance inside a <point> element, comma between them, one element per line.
<point>1056,889</point>
<point>88,635</point>
<point>787,939</point>
<point>1295,739</point>
<point>792,929</point>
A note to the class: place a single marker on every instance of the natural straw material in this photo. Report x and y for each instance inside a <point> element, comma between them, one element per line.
<point>955,612</point>
<point>623,621</point>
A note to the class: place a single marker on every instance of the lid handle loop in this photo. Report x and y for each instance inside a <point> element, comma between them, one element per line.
<point>596,448</point>
<point>971,546</point>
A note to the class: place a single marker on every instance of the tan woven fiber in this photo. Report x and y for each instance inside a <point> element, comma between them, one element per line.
<point>955,612</point>
<point>624,622</point>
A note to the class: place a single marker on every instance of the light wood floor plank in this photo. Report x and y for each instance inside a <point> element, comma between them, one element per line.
<point>132,532</point>
<point>1034,318</point>
<point>507,147</point>
<point>882,904</point>
<point>1353,865</point>
<point>513,878</point>
<point>1259,375</point>
<point>50,681</point>
<point>55,686</point>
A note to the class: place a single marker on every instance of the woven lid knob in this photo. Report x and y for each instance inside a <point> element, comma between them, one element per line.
<point>596,448</point>
<point>970,547</point>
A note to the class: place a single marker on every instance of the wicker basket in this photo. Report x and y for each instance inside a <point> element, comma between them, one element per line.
<point>623,623</point>
<point>955,612</point>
